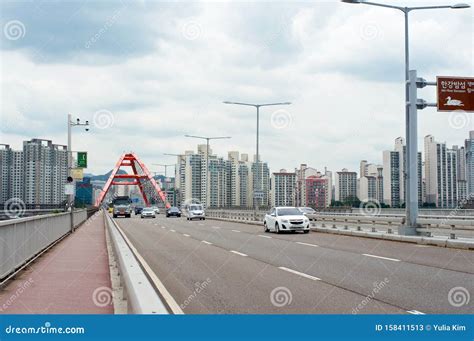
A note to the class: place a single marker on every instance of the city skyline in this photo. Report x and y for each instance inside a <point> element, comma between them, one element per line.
<point>126,85</point>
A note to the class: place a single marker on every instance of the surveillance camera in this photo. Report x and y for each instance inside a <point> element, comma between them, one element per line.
<point>77,120</point>
<point>87,122</point>
<point>87,129</point>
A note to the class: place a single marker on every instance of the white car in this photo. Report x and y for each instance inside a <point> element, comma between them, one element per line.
<point>156,209</point>
<point>148,212</point>
<point>194,211</point>
<point>281,219</point>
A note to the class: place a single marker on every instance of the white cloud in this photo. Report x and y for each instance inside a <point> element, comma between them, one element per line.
<point>340,65</point>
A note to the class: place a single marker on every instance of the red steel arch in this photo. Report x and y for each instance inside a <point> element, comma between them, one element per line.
<point>139,176</point>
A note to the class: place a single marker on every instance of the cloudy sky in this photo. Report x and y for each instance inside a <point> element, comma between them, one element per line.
<point>147,72</point>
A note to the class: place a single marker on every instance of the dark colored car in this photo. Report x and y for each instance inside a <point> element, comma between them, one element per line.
<point>173,212</point>
<point>138,210</point>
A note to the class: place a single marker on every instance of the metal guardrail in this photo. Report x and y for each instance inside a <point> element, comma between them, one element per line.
<point>450,224</point>
<point>24,239</point>
<point>142,297</point>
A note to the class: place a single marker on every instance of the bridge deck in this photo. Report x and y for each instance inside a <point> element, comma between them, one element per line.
<point>71,278</point>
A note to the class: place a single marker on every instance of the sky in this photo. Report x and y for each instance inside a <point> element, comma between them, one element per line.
<point>145,73</point>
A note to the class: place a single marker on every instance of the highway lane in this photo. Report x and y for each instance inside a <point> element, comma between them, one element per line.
<point>244,265</point>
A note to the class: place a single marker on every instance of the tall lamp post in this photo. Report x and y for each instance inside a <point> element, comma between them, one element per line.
<point>207,138</point>
<point>70,125</point>
<point>411,162</point>
<point>257,185</point>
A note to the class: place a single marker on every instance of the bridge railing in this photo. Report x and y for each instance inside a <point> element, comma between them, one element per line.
<point>24,239</point>
<point>447,224</point>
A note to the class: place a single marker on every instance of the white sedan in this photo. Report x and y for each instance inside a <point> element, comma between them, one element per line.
<point>281,219</point>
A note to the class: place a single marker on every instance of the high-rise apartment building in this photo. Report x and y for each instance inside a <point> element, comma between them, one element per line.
<point>283,192</point>
<point>370,186</point>
<point>313,188</point>
<point>469,149</point>
<point>346,185</point>
<point>441,165</point>
<point>36,175</point>
<point>394,180</point>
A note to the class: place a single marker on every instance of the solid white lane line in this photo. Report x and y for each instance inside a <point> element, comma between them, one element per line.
<point>206,242</point>
<point>172,230</point>
<point>307,244</point>
<point>380,257</point>
<point>415,312</point>
<point>186,235</point>
<point>300,273</point>
<point>239,253</point>
<point>235,231</point>
<point>261,235</point>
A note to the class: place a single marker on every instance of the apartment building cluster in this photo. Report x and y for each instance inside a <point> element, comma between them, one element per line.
<point>36,174</point>
<point>204,177</point>
<point>445,179</point>
<point>445,175</point>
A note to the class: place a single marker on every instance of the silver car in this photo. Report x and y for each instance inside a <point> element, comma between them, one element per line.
<point>148,212</point>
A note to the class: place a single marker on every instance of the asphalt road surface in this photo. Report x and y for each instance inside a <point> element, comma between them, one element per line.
<point>225,267</point>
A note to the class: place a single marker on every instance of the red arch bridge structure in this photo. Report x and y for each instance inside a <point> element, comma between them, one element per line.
<point>139,176</point>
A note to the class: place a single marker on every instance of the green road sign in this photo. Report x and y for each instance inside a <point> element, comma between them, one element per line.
<point>82,159</point>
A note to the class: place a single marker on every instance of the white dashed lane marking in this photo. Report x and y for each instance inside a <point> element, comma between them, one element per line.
<point>206,242</point>
<point>307,244</point>
<point>300,273</point>
<point>380,257</point>
<point>261,235</point>
<point>239,253</point>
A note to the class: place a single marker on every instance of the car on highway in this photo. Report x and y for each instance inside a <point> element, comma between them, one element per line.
<point>280,219</point>
<point>194,211</point>
<point>138,210</point>
<point>307,210</point>
<point>173,212</point>
<point>156,209</point>
<point>148,212</point>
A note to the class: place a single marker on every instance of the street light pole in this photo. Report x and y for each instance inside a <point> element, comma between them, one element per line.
<point>70,124</point>
<point>207,138</point>
<point>411,120</point>
<point>257,185</point>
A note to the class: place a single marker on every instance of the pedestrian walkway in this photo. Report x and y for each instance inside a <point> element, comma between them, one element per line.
<point>71,278</point>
